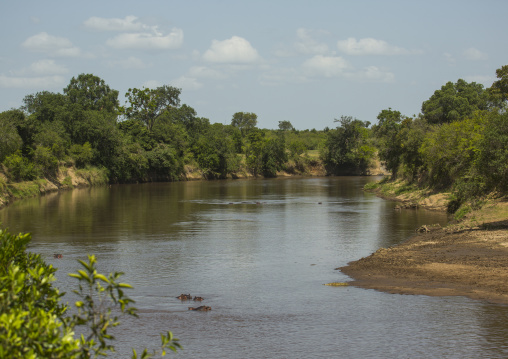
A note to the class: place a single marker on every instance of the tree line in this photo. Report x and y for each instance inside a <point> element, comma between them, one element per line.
<point>458,142</point>
<point>151,138</point>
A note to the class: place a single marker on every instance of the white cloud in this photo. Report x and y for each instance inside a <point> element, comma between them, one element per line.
<point>234,50</point>
<point>327,66</point>
<point>306,44</point>
<point>52,45</point>
<point>475,54</point>
<point>205,72</point>
<point>481,79</point>
<point>45,82</point>
<point>145,41</point>
<point>46,67</point>
<point>129,23</point>
<point>187,83</point>
<point>282,76</point>
<point>130,63</point>
<point>449,58</point>
<point>152,84</point>
<point>370,46</point>
<point>372,73</point>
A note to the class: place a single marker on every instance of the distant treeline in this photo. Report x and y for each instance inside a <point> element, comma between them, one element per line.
<point>153,137</point>
<point>459,141</point>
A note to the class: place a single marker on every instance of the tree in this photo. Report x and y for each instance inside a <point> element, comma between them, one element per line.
<point>245,121</point>
<point>10,141</point>
<point>387,132</point>
<point>285,126</point>
<point>147,105</point>
<point>92,93</point>
<point>454,102</point>
<point>450,149</point>
<point>214,153</point>
<point>346,148</point>
<point>498,92</point>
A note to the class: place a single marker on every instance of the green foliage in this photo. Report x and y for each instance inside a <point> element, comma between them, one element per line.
<point>147,105</point>
<point>33,321</point>
<point>214,152</point>
<point>165,163</point>
<point>138,133</point>
<point>347,150</point>
<point>53,135</point>
<point>498,92</point>
<point>44,106</point>
<point>492,158</point>
<point>20,168</point>
<point>10,141</point>
<point>454,102</point>
<point>244,121</point>
<point>92,93</point>
<point>81,154</point>
<point>285,126</point>
<point>389,139</point>
<point>449,150</point>
<point>45,161</point>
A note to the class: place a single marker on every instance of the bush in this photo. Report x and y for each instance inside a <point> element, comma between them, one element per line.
<point>33,321</point>
<point>81,154</point>
<point>20,168</point>
<point>46,161</point>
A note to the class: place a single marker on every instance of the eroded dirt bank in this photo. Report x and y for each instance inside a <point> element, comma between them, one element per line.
<point>467,262</point>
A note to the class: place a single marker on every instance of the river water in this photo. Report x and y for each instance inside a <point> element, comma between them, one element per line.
<point>259,252</point>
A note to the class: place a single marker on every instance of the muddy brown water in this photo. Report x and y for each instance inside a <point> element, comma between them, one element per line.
<point>258,252</point>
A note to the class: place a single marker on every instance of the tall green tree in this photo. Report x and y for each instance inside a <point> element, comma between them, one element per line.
<point>285,126</point>
<point>10,140</point>
<point>147,105</point>
<point>346,149</point>
<point>245,121</point>
<point>499,90</point>
<point>92,93</point>
<point>455,101</point>
<point>389,141</point>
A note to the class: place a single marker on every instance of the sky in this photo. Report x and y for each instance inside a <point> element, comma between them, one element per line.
<point>307,62</point>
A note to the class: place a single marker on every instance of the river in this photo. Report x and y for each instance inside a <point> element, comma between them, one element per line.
<point>259,252</point>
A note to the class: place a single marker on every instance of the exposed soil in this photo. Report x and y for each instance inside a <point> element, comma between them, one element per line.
<point>470,262</point>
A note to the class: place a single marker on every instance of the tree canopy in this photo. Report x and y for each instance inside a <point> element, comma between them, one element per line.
<point>147,105</point>
<point>455,101</point>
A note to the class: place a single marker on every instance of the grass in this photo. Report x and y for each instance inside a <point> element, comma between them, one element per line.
<point>94,176</point>
<point>24,189</point>
<point>313,154</point>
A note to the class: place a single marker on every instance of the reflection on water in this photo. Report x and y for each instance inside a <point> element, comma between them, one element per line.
<point>258,251</point>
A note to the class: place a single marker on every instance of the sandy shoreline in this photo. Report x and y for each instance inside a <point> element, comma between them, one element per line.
<point>471,262</point>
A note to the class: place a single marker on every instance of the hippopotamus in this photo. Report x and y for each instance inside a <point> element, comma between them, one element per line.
<point>203,308</point>
<point>184,297</point>
<point>57,255</point>
<point>198,299</point>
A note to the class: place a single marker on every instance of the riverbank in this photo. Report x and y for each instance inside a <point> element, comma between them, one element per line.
<point>68,178</point>
<point>469,258</point>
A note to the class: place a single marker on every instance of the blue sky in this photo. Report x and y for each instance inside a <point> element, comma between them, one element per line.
<point>307,62</point>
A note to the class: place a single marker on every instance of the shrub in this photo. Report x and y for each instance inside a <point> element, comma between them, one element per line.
<point>33,321</point>
<point>81,154</point>
<point>45,160</point>
<point>20,168</point>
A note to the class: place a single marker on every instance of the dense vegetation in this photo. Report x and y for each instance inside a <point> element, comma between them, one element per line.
<point>459,140</point>
<point>153,137</point>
